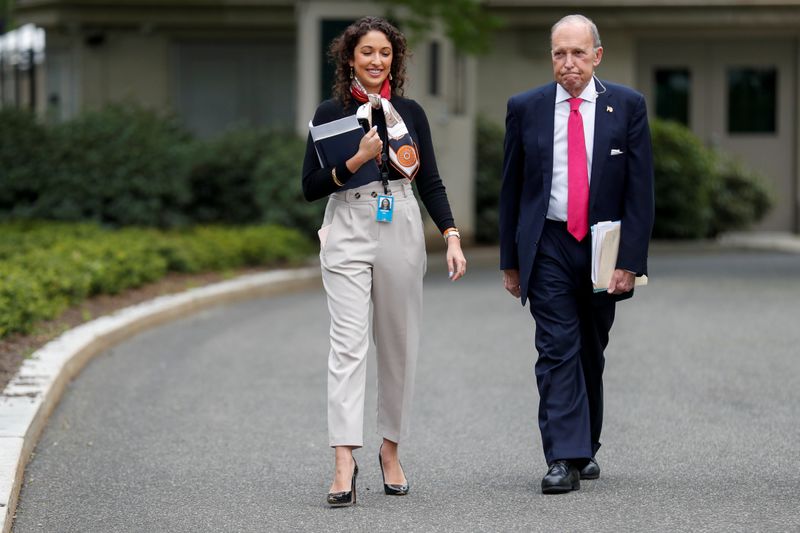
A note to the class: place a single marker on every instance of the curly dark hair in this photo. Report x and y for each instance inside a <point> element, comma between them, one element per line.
<point>343,47</point>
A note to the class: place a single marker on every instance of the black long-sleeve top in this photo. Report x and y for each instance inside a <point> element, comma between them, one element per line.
<point>318,183</point>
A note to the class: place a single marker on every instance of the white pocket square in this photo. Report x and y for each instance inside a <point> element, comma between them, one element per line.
<point>614,151</point>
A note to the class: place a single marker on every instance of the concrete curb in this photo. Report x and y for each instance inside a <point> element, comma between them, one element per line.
<point>771,241</point>
<point>30,397</point>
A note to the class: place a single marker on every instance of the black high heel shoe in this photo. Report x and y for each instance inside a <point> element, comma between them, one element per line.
<point>347,497</point>
<point>388,488</point>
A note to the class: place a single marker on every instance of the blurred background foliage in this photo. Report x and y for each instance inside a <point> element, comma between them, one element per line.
<point>466,23</point>
<point>128,166</point>
<point>699,192</point>
<point>125,165</point>
<point>48,266</point>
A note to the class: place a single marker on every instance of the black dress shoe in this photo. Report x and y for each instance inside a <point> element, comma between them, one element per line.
<point>561,477</point>
<point>347,497</point>
<point>591,470</point>
<point>389,488</point>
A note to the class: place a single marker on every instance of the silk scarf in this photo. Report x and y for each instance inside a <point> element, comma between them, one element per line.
<point>403,153</point>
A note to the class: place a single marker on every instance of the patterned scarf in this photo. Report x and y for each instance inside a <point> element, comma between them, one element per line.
<point>403,153</point>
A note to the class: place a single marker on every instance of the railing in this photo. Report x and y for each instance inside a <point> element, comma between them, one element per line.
<point>22,52</point>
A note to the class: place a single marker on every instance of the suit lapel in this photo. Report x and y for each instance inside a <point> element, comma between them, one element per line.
<point>603,120</point>
<point>545,111</point>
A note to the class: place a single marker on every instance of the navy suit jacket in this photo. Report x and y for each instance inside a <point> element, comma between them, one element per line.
<point>621,185</point>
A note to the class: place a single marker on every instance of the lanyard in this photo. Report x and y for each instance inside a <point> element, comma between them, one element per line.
<point>385,164</point>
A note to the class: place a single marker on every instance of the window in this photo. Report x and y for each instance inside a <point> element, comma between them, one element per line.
<point>672,94</point>
<point>752,100</point>
<point>459,103</point>
<point>435,69</point>
<point>329,31</point>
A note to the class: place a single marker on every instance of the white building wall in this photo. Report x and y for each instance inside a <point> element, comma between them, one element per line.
<point>520,60</point>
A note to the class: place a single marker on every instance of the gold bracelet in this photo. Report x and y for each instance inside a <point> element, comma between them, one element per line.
<point>335,179</point>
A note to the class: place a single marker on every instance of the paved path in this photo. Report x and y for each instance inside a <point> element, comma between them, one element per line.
<point>217,422</point>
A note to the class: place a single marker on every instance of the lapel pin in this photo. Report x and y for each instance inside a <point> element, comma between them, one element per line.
<point>609,109</point>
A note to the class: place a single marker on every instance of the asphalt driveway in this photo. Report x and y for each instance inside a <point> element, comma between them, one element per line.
<point>217,422</point>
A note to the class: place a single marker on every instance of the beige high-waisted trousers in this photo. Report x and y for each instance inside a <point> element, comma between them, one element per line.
<point>364,260</point>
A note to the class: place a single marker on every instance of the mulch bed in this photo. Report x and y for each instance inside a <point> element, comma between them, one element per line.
<point>15,348</point>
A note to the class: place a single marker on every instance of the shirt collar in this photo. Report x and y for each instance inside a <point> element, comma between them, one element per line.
<point>589,93</point>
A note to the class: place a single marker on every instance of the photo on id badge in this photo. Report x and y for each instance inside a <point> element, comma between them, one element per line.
<point>385,208</point>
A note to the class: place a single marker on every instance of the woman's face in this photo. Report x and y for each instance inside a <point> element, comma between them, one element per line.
<point>372,60</point>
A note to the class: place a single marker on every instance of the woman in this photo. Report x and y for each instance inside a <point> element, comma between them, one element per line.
<point>366,255</point>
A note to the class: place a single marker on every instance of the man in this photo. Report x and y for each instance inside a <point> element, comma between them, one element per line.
<point>577,152</point>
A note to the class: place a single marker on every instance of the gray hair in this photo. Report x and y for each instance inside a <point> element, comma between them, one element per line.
<point>579,19</point>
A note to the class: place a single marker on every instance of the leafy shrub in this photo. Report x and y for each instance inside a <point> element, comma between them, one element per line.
<point>684,179</point>
<point>488,178</point>
<point>739,198</point>
<point>71,262</point>
<point>21,236</point>
<point>221,177</point>
<point>23,300</point>
<point>24,146</point>
<point>122,165</point>
<point>278,186</point>
<point>126,166</point>
<point>247,176</point>
<point>698,193</point>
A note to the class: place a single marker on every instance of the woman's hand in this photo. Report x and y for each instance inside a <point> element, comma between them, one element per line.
<point>369,148</point>
<point>456,262</point>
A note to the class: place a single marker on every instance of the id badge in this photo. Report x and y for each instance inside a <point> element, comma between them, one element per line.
<point>385,208</point>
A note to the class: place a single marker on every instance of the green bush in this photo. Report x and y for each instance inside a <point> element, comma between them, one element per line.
<point>126,166</point>
<point>68,263</point>
<point>21,236</point>
<point>278,186</point>
<point>24,147</point>
<point>122,165</point>
<point>221,177</point>
<point>701,193</point>
<point>684,179</point>
<point>488,178</point>
<point>739,198</point>
<point>698,193</point>
<point>247,176</point>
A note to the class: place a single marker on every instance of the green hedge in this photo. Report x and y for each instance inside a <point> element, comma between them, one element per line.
<point>488,177</point>
<point>125,165</point>
<point>25,146</point>
<point>684,179</point>
<point>246,176</point>
<point>739,197</point>
<point>46,267</point>
<point>122,165</point>
<point>699,193</point>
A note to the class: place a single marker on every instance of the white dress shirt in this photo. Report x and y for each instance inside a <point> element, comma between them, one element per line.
<point>557,209</point>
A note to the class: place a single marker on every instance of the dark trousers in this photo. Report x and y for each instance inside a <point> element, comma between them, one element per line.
<point>572,326</point>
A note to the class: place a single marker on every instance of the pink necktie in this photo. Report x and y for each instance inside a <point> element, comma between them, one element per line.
<point>578,174</point>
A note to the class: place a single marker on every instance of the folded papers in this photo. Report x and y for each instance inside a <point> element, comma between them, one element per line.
<point>605,248</point>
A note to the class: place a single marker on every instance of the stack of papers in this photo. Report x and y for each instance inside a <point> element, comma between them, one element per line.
<point>605,248</point>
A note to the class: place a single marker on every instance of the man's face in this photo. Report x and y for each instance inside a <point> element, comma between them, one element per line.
<point>574,57</point>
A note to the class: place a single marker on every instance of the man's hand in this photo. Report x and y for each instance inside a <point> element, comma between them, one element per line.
<point>511,282</point>
<point>621,282</point>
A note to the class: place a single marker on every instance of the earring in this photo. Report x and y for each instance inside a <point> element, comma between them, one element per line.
<point>390,77</point>
<point>351,73</point>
